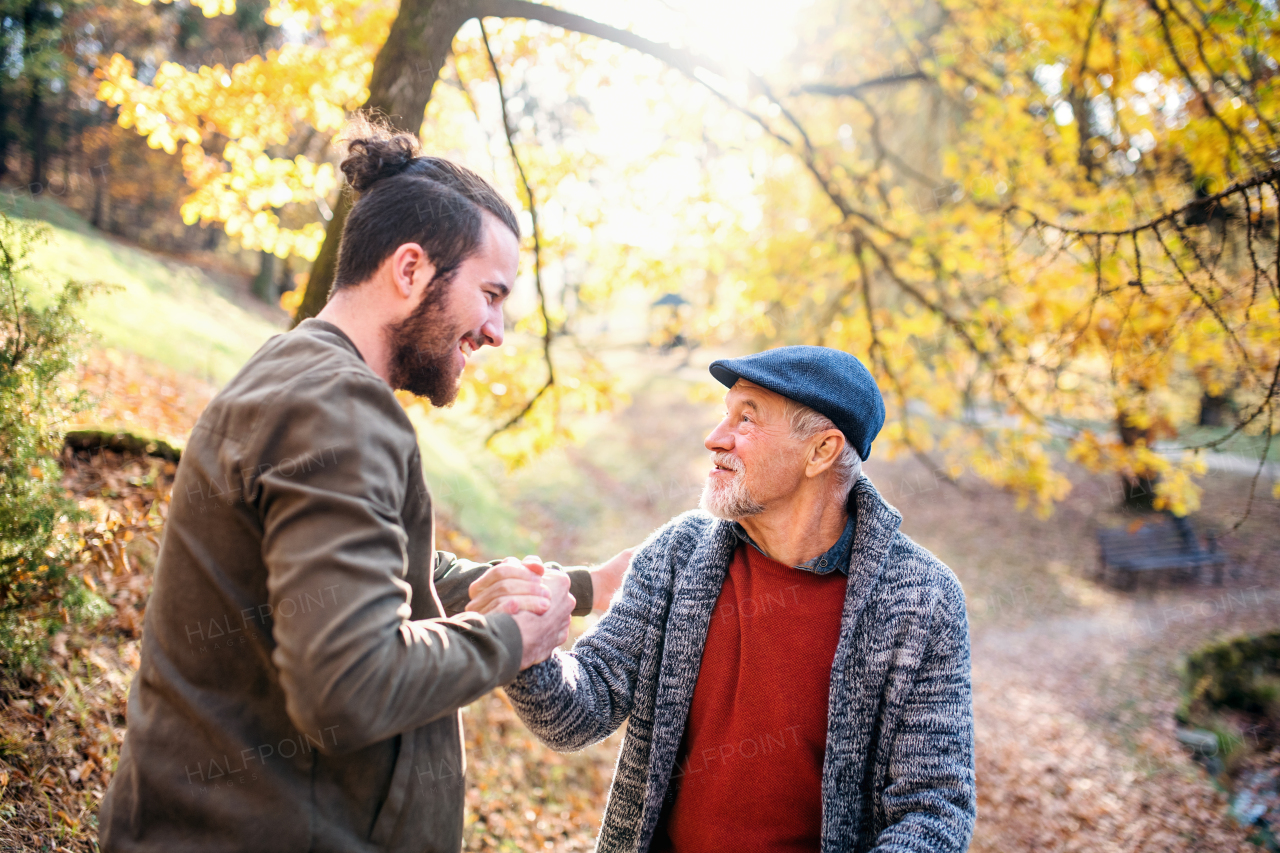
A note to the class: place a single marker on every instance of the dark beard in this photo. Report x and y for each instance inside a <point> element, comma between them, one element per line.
<point>422,346</point>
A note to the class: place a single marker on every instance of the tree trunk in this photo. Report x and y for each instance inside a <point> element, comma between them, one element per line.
<point>320,279</point>
<point>99,199</point>
<point>404,73</point>
<point>1215,410</point>
<point>264,283</point>
<point>406,70</point>
<point>39,134</point>
<point>4,128</point>
<point>1138,490</point>
<point>284,278</point>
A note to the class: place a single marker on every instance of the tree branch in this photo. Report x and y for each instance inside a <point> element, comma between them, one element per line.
<point>684,61</point>
<point>855,89</point>
<point>678,58</point>
<point>547,333</point>
<point>1199,204</point>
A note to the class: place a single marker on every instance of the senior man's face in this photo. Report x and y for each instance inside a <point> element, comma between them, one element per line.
<point>755,459</point>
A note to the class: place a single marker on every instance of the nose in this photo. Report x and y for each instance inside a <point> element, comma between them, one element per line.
<point>492,330</point>
<point>720,439</point>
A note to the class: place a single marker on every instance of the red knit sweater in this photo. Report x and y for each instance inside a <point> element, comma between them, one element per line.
<point>749,772</point>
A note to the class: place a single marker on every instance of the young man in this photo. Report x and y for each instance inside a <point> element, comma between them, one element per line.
<point>302,672</point>
<point>793,670</point>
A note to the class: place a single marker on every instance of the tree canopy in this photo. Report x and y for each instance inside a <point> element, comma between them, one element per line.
<point>1049,229</point>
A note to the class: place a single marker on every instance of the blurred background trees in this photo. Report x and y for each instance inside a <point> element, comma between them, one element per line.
<point>1047,227</point>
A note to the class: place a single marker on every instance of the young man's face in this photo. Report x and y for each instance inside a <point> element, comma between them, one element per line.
<point>429,348</point>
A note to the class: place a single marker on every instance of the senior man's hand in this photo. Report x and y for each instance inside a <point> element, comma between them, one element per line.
<point>607,577</point>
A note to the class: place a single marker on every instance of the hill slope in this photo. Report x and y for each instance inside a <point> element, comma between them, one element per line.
<point>159,308</point>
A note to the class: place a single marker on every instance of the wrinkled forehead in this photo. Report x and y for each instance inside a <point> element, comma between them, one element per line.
<point>749,395</point>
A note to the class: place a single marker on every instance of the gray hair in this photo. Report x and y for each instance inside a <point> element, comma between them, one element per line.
<point>806,423</point>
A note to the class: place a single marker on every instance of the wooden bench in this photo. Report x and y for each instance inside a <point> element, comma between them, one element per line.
<point>1167,546</point>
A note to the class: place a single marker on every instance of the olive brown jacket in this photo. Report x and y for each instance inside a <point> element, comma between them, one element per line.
<point>304,659</point>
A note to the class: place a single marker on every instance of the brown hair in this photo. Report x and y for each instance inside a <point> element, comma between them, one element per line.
<point>408,198</point>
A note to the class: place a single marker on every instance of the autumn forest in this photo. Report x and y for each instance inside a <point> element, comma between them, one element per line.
<point>1050,231</point>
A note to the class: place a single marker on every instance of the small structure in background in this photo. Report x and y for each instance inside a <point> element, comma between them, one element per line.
<point>666,322</point>
<point>1164,547</point>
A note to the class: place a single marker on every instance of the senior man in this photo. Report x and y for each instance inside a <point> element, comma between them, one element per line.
<point>794,671</point>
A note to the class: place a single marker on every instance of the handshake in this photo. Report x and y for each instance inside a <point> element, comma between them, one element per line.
<point>538,598</point>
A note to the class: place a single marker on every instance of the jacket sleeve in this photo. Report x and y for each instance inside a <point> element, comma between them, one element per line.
<point>333,532</point>
<point>577,698</point>
<point>454,576</point>
<point>929,795</point>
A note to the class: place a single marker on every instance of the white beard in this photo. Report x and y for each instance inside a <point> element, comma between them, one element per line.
<point>729,500</point>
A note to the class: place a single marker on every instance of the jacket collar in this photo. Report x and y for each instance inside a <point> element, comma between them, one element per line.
<point>313,326</point>
<point>877,525</point>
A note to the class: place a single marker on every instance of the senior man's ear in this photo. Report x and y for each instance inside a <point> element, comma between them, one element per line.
<point>824,450</point>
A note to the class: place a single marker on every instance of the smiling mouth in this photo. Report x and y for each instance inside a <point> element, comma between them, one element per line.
<point>721,468</point>
<point>466,346</point>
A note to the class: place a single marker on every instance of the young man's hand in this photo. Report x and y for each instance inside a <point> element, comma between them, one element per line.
<point>510,587</point>
<point>515,585</point>
<point>543,633</point>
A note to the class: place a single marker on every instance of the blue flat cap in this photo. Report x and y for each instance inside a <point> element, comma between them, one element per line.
<point>826,380</point>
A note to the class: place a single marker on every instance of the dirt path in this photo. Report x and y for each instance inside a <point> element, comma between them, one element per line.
<point>1075,684</point>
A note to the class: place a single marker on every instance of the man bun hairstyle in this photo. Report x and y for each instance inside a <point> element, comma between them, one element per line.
<point>375,156</point>
<point>405,197</point>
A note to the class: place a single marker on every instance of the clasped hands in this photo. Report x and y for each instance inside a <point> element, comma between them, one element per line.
<point>538,598</point>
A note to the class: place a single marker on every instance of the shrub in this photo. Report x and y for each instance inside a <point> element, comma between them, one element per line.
<point>38,346</point>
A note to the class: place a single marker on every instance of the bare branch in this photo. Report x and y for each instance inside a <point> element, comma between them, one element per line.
<point>1232,134</point>
<point>682,60</point>
<point>547,333</point>
<point>1199,204</point>
<point>678,58</point>
<point>877,353</point>
<point>856,89</point>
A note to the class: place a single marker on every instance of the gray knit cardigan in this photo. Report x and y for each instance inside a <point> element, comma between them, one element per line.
<point>898,772</point>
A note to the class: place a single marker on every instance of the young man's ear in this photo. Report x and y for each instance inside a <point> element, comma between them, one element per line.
<point>409,268</point>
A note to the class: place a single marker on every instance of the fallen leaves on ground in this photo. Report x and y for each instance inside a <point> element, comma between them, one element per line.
<point>133,393</point>
<point>61,731</point>
<point>1074,686</point>
<point>521,795</point>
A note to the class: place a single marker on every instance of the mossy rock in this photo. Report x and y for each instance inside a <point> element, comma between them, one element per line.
<point>1241,674</point>
<point>127,443</point>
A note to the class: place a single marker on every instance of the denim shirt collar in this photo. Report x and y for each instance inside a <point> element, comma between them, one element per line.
<point>836,557</point>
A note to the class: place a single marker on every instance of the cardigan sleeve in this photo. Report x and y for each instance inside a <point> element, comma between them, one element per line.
<point>929,798</point>
<point>577,698</point>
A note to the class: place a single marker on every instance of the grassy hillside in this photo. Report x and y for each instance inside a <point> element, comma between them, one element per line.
<point>160,308</point>
<point>193,327</point>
